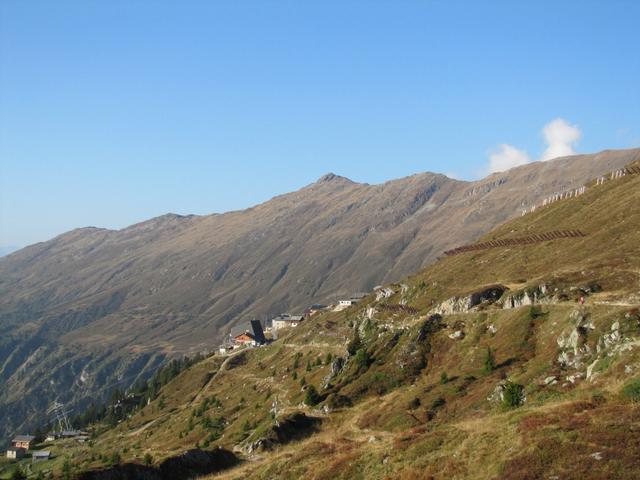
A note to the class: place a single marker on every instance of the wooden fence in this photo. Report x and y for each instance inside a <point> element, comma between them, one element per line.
<point>508,242</point>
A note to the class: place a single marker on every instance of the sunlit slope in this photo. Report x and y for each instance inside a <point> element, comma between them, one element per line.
<point>94,308</point>
<point>418,395</point>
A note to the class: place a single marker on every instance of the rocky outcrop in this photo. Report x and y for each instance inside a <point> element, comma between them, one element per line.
<point>530,296</point>
<point>384,293</point>
<point>573,343</point>
<point>467,303</point>
<point>336,367</point>
<point>292,427</point>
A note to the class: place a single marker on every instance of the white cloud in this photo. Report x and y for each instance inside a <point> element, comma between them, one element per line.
<point>506,157</point>
<point>560,138</point>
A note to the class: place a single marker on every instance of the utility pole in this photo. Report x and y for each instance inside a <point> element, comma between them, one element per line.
<point>62,416</point>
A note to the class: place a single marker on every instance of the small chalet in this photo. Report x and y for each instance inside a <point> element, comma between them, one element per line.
<point>40,456</point>
<point>253,338</point>
<point>245,338</point>
<point>15,453</point>
<point>23,441</point>
<point>285,320</point>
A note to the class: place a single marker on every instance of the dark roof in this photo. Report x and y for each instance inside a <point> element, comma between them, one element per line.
<point>15,449</point>
<point>258,333</point>
<point>24,438</point>
<point>285,317</point>
<point>359,295</point>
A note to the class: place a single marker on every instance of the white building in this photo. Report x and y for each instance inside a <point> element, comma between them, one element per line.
<point>285,320</point>
<point>40,456</point>
<point>15,453</point>
<point>355,298</point>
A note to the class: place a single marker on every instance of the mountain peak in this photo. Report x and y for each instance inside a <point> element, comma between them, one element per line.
<point>332,177</point>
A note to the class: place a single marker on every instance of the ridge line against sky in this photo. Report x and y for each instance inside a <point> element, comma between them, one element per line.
<point>116,112</point>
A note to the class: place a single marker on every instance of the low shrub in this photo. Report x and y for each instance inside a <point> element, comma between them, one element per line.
<point>361,359</point>
<point>513,395</point>
<point>312,397</point>
<point>489,361</point>
<point>632,390</point>
<point>336,401</point>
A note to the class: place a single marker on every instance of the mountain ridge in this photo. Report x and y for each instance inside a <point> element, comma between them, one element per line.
<point>517,361</point>
<point>105,300</point>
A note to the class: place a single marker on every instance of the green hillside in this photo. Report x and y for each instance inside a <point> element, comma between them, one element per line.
<point>485,365</point>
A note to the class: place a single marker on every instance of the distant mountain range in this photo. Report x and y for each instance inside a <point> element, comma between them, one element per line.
<point>93,308</point>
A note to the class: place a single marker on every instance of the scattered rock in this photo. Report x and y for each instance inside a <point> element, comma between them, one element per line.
<point>457,335</point>
<point>573,378</point>
<point>384,293</point>
<point>610,339</point>
<point>552,380</point>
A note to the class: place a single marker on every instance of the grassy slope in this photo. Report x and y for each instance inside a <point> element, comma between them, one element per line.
<point>405,422</point>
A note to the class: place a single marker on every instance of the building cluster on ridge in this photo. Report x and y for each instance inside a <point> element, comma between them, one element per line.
<point>256,335</point>
<point>21,445</point>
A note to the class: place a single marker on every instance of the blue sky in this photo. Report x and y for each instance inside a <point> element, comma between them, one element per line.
<point>114,112</point>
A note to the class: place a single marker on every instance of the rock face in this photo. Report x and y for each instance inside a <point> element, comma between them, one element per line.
<point>292,427</point>
<point>78,311</point>
<point>464,304</point>
<point>336,367</point>
<point>539,294</point>
<point>573,344</point>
